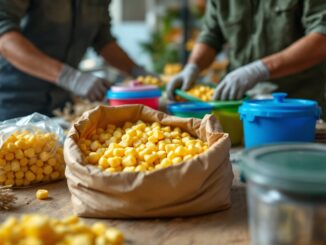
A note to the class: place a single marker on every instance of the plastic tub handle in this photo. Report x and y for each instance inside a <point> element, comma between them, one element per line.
<point>279,97</point>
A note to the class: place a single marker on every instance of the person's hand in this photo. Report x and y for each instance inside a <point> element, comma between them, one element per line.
<point>239,81</point>
<point>184,80</point>
<point>83,84</point>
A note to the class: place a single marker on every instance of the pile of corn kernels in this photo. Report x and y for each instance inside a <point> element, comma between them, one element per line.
<point>172,69</point>
<point>139,147</point>
<point>30,157</point>
<point>202,92</point>
<point>150,80</point>
<point>38,229</point>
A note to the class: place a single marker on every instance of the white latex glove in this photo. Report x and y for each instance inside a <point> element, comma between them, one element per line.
<point>236,83</point>
<point>184,80</point>
<point>83,84</point>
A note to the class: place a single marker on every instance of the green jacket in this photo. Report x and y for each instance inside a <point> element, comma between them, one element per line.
<point>62,29</point>
<point>254,29</point>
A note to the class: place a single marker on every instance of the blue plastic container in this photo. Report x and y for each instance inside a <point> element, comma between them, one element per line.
<point>278,120</point>
<point>190,109</point>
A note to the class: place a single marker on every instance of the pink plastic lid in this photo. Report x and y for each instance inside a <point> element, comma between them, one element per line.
<point>132,86</point>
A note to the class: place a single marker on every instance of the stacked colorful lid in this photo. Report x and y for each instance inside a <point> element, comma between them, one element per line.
<point>129,94</point>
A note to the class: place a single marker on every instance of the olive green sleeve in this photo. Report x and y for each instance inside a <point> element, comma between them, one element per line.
<point>211,33</point>
<point>11,12</point>
<point>104,35</point>
<point>314,16</point>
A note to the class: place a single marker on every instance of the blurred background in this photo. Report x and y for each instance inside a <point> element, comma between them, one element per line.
<point>157,34</point>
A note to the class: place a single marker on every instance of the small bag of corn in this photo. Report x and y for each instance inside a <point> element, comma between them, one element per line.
<point>134,162</point>
<point>30,151</point>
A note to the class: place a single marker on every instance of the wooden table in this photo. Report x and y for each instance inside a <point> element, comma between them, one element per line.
<point>227,227</point>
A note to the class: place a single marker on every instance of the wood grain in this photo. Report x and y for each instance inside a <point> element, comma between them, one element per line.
<point>227,227</point>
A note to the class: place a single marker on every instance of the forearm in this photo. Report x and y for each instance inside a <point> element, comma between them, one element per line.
<point>202,55</point>
<point>22,54</point>
<point>303,54</point>
<point>117,57</point>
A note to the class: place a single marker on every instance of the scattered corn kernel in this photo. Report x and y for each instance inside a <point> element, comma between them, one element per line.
<point>42,194</point>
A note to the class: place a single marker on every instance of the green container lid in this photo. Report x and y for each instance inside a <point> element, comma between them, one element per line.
<point>298,168</point>
<point>230,105</point>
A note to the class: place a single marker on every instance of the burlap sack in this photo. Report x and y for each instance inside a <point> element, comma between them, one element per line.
<point>200,185</point>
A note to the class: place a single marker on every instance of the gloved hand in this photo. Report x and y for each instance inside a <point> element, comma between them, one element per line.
<point>237,82</point>
<point>184,80</point>
<point>138,71</point>
<point>83,84</point>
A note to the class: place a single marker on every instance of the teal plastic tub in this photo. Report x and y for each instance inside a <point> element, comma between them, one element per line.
<point>190,109</point>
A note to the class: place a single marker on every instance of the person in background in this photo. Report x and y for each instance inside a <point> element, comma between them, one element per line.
<point>41,45</point>
<point>282,41</point>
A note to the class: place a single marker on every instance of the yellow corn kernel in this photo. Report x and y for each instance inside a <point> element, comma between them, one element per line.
<point>166,162</point>
<point>9,156</point>
<point>103,162</point>
<point>93,157</point>
<point>39,163</point>
<point>15,166</point>
<point>140,168</point>
<point>44,156</point>
<point>99,228</point>
<point>161,154</point>
<point>118,152</point>
<point>129,161</point>
<point>7,168</point>
<point>9,182</point>
<point>19,175</point>
<point>114,162</point>
<point>181,151</point>
<point>152,139</point>
<point>129,169</point>
<point>47,170</point>
<point>19,154</point>
<point>34,169</point>
<point>30,176</point>
<point>42,194</point>
<point>150,158</point>
<point>39,177</point>
<point>187,157</point>
<point>176,160</point>
<point>2,162</point>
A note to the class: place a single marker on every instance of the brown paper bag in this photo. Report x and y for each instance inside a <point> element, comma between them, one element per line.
<point>197,186</point>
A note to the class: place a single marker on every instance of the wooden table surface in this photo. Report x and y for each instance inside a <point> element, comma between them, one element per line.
<point>227,227</point>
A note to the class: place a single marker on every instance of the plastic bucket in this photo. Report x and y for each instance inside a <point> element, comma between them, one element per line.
<point>190,109</point>
<point>278,120</point>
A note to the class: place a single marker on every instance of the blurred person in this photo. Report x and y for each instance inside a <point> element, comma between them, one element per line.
<point>282,41</point>
<point>41,45</point>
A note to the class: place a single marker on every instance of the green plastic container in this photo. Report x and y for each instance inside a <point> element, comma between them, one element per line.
<point>190,109</point>
<point>286,193</point>
<point>227,114</point>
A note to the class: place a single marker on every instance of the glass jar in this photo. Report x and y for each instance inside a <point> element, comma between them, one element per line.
<point>286,194</point>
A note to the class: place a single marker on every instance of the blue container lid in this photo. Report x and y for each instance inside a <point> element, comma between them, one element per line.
<point>134,94</point>
<point>189,107</point>
<point>279,106</point>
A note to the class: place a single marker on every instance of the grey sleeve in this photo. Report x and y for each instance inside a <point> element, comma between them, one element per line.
<point>314,16</point>
<point>11,12</point>
<point>104,34</point>
<point>211,33</point>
